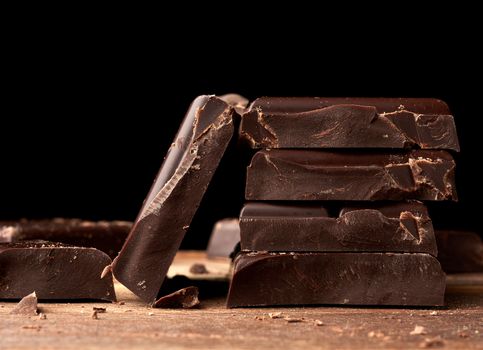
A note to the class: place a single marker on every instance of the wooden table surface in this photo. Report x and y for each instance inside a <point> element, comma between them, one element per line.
<point>129,324</point>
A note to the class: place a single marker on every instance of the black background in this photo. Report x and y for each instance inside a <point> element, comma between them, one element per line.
<point>86,123</point>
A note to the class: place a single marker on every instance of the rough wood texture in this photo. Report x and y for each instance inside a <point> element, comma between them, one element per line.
<point>132,325</point>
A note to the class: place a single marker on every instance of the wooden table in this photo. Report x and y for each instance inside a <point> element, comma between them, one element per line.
<point>131,325</point>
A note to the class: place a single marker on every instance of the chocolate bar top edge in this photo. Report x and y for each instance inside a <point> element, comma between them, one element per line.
<point>383,105</point>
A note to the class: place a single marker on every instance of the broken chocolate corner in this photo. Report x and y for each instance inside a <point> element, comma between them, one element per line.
<point>54,271</point>
<point>26,306</point>
<point>186,298</point>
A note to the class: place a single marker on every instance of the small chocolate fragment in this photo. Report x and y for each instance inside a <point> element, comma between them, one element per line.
<point>325,175</point>
<point>459,251</point>
<point>276,228</point>
<point>186,298</point>
<point>198,269</point>
<point>54,271</point>
<point>186,172</point>
<point>272,279</point>
<point>107,236</point>
<point>26,306</point>
<point>224,238</point>
<point>349,123</point>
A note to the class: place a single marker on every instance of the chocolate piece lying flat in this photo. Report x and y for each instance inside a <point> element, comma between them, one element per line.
<point>324,175</point>
<point>296,122</point>
<point>265,227</point>
<point>186,298</point>
<point>460,251</point>
<point>175,196</point>
<point>26,306</point>
<point>224,237</point>
<point>53,271</point>
<point>271,279</point>
<point>107,236</point>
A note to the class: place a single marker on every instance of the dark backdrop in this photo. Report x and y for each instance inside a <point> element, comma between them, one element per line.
<point>85,126</point>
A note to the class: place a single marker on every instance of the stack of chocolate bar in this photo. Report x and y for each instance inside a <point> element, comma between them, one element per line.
<point>334,213</point>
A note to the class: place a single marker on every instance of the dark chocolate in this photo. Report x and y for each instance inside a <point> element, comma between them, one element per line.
<point>274,279</point>
<point>175,196</point>
<point>54,271</point>
<point>186,298</point>
<point>325,175</point>
<point>224,238</point>
<point>296,122</point>
<point>26,306</point>
<point>107,236</point>
<point>459,251</point>
<point>269,227</point>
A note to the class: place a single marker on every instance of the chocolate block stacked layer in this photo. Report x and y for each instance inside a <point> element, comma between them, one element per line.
<point>392,152</point>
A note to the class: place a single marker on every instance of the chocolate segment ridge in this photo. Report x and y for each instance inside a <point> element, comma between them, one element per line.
<point>274,279</point>
<point>349,123</point>
<point>325,175</point>
<point>269,227</point>
<point>174,197</point>
<point>107,236</point>
<point>54,271</point>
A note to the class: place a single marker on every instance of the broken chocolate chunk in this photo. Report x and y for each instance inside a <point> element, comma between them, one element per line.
<point>274,279</point>
<point>326,175</point>
<point>224,238</point>
<point>26,306</point>
<point>296,122</point>
<point>186,298</point>
<point>277,228</point>
<point>174,197</point>
<point>53,271</point>
<point>107,236</point>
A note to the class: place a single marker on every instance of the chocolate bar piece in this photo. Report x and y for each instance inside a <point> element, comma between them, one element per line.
<point>297,122</point>
<point>54,271</point>
<point>224,238</point>
<point>175,196</point>
<point>325,175</point>
<point>460,251</point>
<point>107,236</point>
<point>273,279</point>
<point>272,227</point>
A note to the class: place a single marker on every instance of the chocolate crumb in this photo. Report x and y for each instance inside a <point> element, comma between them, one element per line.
<point>94,315</point>
<point>26,306</point>
<point>294,320</point>
<point>274,315</point>
<point>436,342</point>
<point>198,269</point>
<point>42,316</point>
<point>418,330</point>
<point>100,310</point>
<point>318,323</point>
<point>186,298</point>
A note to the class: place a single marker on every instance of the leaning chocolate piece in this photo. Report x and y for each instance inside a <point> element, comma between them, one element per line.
<point>269,227</point>
<point>175,196</point>
<point>107,236</point>
<point>273,279</point>
<point>224,238</point>
<point>460,251</point>
<point>325,175</point>
<point>186,298</point>
<point>295,122</point>
<point>26,306</point>
<point>53,271</point>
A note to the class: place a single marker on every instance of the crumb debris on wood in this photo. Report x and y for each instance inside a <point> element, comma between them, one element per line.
<point>26,306</point>
<point>42,316</point>
<point>186,298</point>
<point>418,330</point>
<point>198,269</point>
<point>318,323</point>
<point>294,320</point>
<point>150,313</point>
<point>274,315</point>
<point>376,334</point>
<point>463,334</point>
<point>94,315</point>
<point>436,342</point>
<point>121,303</point>
<point>433,313</point>
<point>100,310</point>
<point>259,318</point>
<point>37,328</point>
